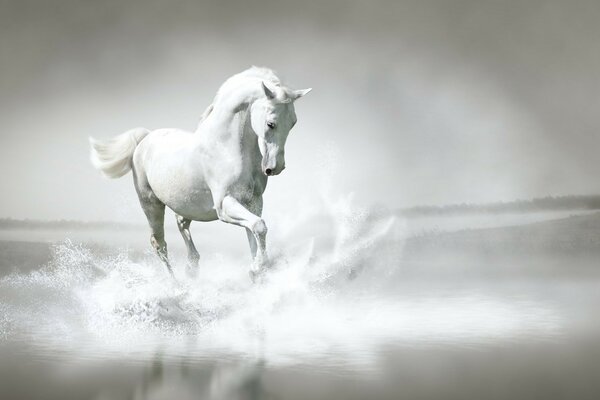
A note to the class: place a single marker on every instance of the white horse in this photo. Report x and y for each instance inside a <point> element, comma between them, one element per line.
<point>218,172</point>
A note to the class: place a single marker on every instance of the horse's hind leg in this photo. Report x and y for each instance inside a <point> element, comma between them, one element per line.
<point>155,213</point>
<point>184,228</point>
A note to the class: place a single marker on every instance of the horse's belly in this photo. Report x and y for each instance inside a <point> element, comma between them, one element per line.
<point>199,208</point>
<point>189,203</point>
<point>188,199</point>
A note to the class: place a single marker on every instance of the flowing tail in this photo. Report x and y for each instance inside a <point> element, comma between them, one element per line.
<point>113,157</point>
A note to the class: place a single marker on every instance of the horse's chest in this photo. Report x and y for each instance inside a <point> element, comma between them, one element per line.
<point>247,188</point>
<point>234,174</point>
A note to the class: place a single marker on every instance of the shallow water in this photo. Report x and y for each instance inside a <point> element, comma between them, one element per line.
<point>353,317</point>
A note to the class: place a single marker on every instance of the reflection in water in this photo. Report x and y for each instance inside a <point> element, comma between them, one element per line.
<point>239,382</point>
<point>161,379</point>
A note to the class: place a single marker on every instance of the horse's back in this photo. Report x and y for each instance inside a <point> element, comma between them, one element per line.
<point>159,144</point>
<point>166,162</point>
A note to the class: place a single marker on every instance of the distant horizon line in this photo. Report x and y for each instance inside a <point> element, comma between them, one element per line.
<point>536,204</point>
<point>545,203</point>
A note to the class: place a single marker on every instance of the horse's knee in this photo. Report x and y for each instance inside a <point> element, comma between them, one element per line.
<point>259,228</point>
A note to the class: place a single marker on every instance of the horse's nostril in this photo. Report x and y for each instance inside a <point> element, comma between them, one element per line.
<point>268,171</point>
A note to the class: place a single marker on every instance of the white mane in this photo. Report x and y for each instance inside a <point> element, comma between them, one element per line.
<point>262,73</point>
<point>251,75</point>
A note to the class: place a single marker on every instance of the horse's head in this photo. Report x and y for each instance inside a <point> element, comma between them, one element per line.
<point>272,118</point>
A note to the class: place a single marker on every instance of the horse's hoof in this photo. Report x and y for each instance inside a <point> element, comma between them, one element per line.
<point>171,273</point>
<point>174,279</point>
<point>257,276</point>
<point>191,271</point>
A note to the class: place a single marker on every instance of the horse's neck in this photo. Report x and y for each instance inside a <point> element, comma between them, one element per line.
<point>227,121</point>
<point>232,128</point>
<point>231,104</point>
<point>245,133</point>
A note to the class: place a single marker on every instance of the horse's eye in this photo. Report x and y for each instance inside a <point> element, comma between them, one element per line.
<point>271,125</point>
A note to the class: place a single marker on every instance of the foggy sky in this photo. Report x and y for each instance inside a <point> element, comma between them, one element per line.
<point>413,102</point>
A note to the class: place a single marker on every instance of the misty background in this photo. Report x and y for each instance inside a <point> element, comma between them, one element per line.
<point>464,267</point>
<point>414,102</point>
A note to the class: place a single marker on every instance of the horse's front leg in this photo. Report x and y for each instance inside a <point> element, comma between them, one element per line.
<point>255,206</point>
<point>233,212</point>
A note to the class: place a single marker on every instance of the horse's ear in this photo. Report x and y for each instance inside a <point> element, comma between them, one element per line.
<point>268,92</point>
<point>299,93</point>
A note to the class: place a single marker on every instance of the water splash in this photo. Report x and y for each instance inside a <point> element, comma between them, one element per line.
<point>315,303</point>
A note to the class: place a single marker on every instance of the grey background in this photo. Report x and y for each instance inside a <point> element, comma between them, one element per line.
<point>414,102</point>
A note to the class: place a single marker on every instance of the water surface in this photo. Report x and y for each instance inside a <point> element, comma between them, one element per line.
<point>373,313</point>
